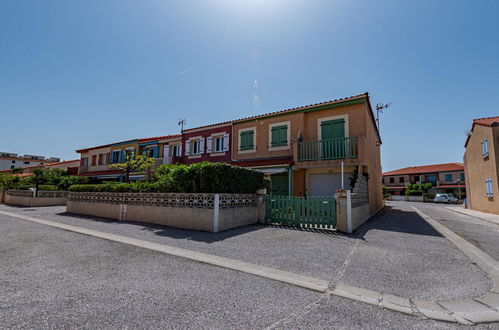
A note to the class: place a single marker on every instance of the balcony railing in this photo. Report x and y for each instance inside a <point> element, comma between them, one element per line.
<point>328,149</point>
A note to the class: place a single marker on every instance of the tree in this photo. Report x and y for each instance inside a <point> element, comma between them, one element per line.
<point>135,164</point>
<point>38,178</point>
<point>418,189</point>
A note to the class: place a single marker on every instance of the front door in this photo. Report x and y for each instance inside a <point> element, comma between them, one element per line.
<point>333,139</point>
<point>280,184</point>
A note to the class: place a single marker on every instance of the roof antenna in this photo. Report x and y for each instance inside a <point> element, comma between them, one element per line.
<point>181,123</point>
<point>379,108</point>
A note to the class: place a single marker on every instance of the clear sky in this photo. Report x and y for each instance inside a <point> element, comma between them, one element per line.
<point>76,74</point>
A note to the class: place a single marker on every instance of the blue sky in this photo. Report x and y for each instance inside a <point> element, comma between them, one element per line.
<point>82,73</point>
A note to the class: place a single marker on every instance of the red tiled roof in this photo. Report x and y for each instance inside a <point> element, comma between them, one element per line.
<point>305,107</point>
<point>164,137</point>
<point>43,165</point>
<point>427,169</point>
<point>358,96</point>
<point>489,121</point>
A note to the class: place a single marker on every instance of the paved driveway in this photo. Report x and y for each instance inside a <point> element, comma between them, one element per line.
<point>51,277</point>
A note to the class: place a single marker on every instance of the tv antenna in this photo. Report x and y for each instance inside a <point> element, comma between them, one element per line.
<point>379,108</point>
<point>181,123</point>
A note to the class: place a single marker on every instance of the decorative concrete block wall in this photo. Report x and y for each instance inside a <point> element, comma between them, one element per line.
<point>204,212</point>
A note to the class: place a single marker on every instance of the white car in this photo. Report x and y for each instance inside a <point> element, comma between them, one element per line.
<point>445,198</point>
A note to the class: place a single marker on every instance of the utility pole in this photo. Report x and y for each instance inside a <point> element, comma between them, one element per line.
<point>379,108</point>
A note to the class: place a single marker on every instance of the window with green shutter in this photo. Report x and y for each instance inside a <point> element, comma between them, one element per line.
<point>448,177</point>
<point>246,139</point>
<point>279,136</point>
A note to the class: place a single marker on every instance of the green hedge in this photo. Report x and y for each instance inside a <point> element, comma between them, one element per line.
<point>196,178</point>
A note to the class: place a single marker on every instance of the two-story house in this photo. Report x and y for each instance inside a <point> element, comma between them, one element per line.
<point>445,178</point>
<point>95,161</point>
<point>481,163</point>
<point>313,150</point>
<point>207,143</point>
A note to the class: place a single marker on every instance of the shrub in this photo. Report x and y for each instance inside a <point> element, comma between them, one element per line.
<point>197,178</point>
<point>48,187</point>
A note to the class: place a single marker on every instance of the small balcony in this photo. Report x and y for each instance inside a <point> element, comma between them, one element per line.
<point>328,149</point>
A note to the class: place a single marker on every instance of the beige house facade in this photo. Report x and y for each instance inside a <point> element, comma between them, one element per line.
<point>481,161</point>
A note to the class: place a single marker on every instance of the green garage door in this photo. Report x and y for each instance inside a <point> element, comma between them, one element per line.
<point>280,184</point>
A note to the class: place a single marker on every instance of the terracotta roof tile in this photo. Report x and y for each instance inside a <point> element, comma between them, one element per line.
<point>427,169</point>
<point>489,121</point>
<point>164,137</point>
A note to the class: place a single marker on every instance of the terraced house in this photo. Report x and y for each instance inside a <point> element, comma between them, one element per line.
<point>304,149</point>
<point>95,161</point>
<point>312,150</point>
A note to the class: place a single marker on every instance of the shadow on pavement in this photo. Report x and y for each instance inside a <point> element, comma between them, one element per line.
<point>199,236</point>
<point>397,220</point>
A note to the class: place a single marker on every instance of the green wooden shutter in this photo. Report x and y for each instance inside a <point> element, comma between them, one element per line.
<point>247,140</point>
<point>279,135</point>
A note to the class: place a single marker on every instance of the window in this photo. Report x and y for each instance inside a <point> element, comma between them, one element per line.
<point>176,150</point>
<point>12,167</point>
<point>149,152</point>
<point>383,180</point>
<point>116,156</point>
<point>488,184</point>
<point>485,148</point>
<point>392,180</point>
<point>401,179</point>
<point>462,177</point>
<point>101,159</point>
<point>279,136</point>
<point>84,162</point>
<point>94,160</point>
<point>432,178</point>
<point>219,144</point>
<point>246,140</point>
<point>448,177</point>
<point>13,162</point>
<point>27,163</point>
<point>196,146</point>
<point>128,154</point>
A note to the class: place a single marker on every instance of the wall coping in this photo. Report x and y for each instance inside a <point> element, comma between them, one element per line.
<point>188,200</point>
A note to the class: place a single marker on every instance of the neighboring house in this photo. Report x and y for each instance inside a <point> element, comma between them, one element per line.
<point>10,160</point>
<point>302,149</point>
<point>445,178</point>
<point>481,162</point>
<point>69,165</point>
<point>208,143</point>
<point>95,161</point>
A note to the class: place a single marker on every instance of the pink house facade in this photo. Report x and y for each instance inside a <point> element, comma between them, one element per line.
<point>209,143</point>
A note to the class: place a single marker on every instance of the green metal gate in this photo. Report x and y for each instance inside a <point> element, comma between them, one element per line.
<point>309,212</point>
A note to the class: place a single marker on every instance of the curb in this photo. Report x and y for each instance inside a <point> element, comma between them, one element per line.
<point>473,216</point>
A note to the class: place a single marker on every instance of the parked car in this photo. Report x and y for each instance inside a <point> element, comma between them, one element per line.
<point>445,198</point>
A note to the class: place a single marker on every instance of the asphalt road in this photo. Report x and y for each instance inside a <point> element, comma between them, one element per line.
<point>50,278</point>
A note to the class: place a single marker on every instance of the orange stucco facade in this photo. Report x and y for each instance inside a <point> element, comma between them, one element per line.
<point>304,126</point>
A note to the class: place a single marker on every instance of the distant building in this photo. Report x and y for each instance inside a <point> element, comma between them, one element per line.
<point>445,178</point>
<point>10,160</point>
<point>69,165</point>
<point>481,162</point>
